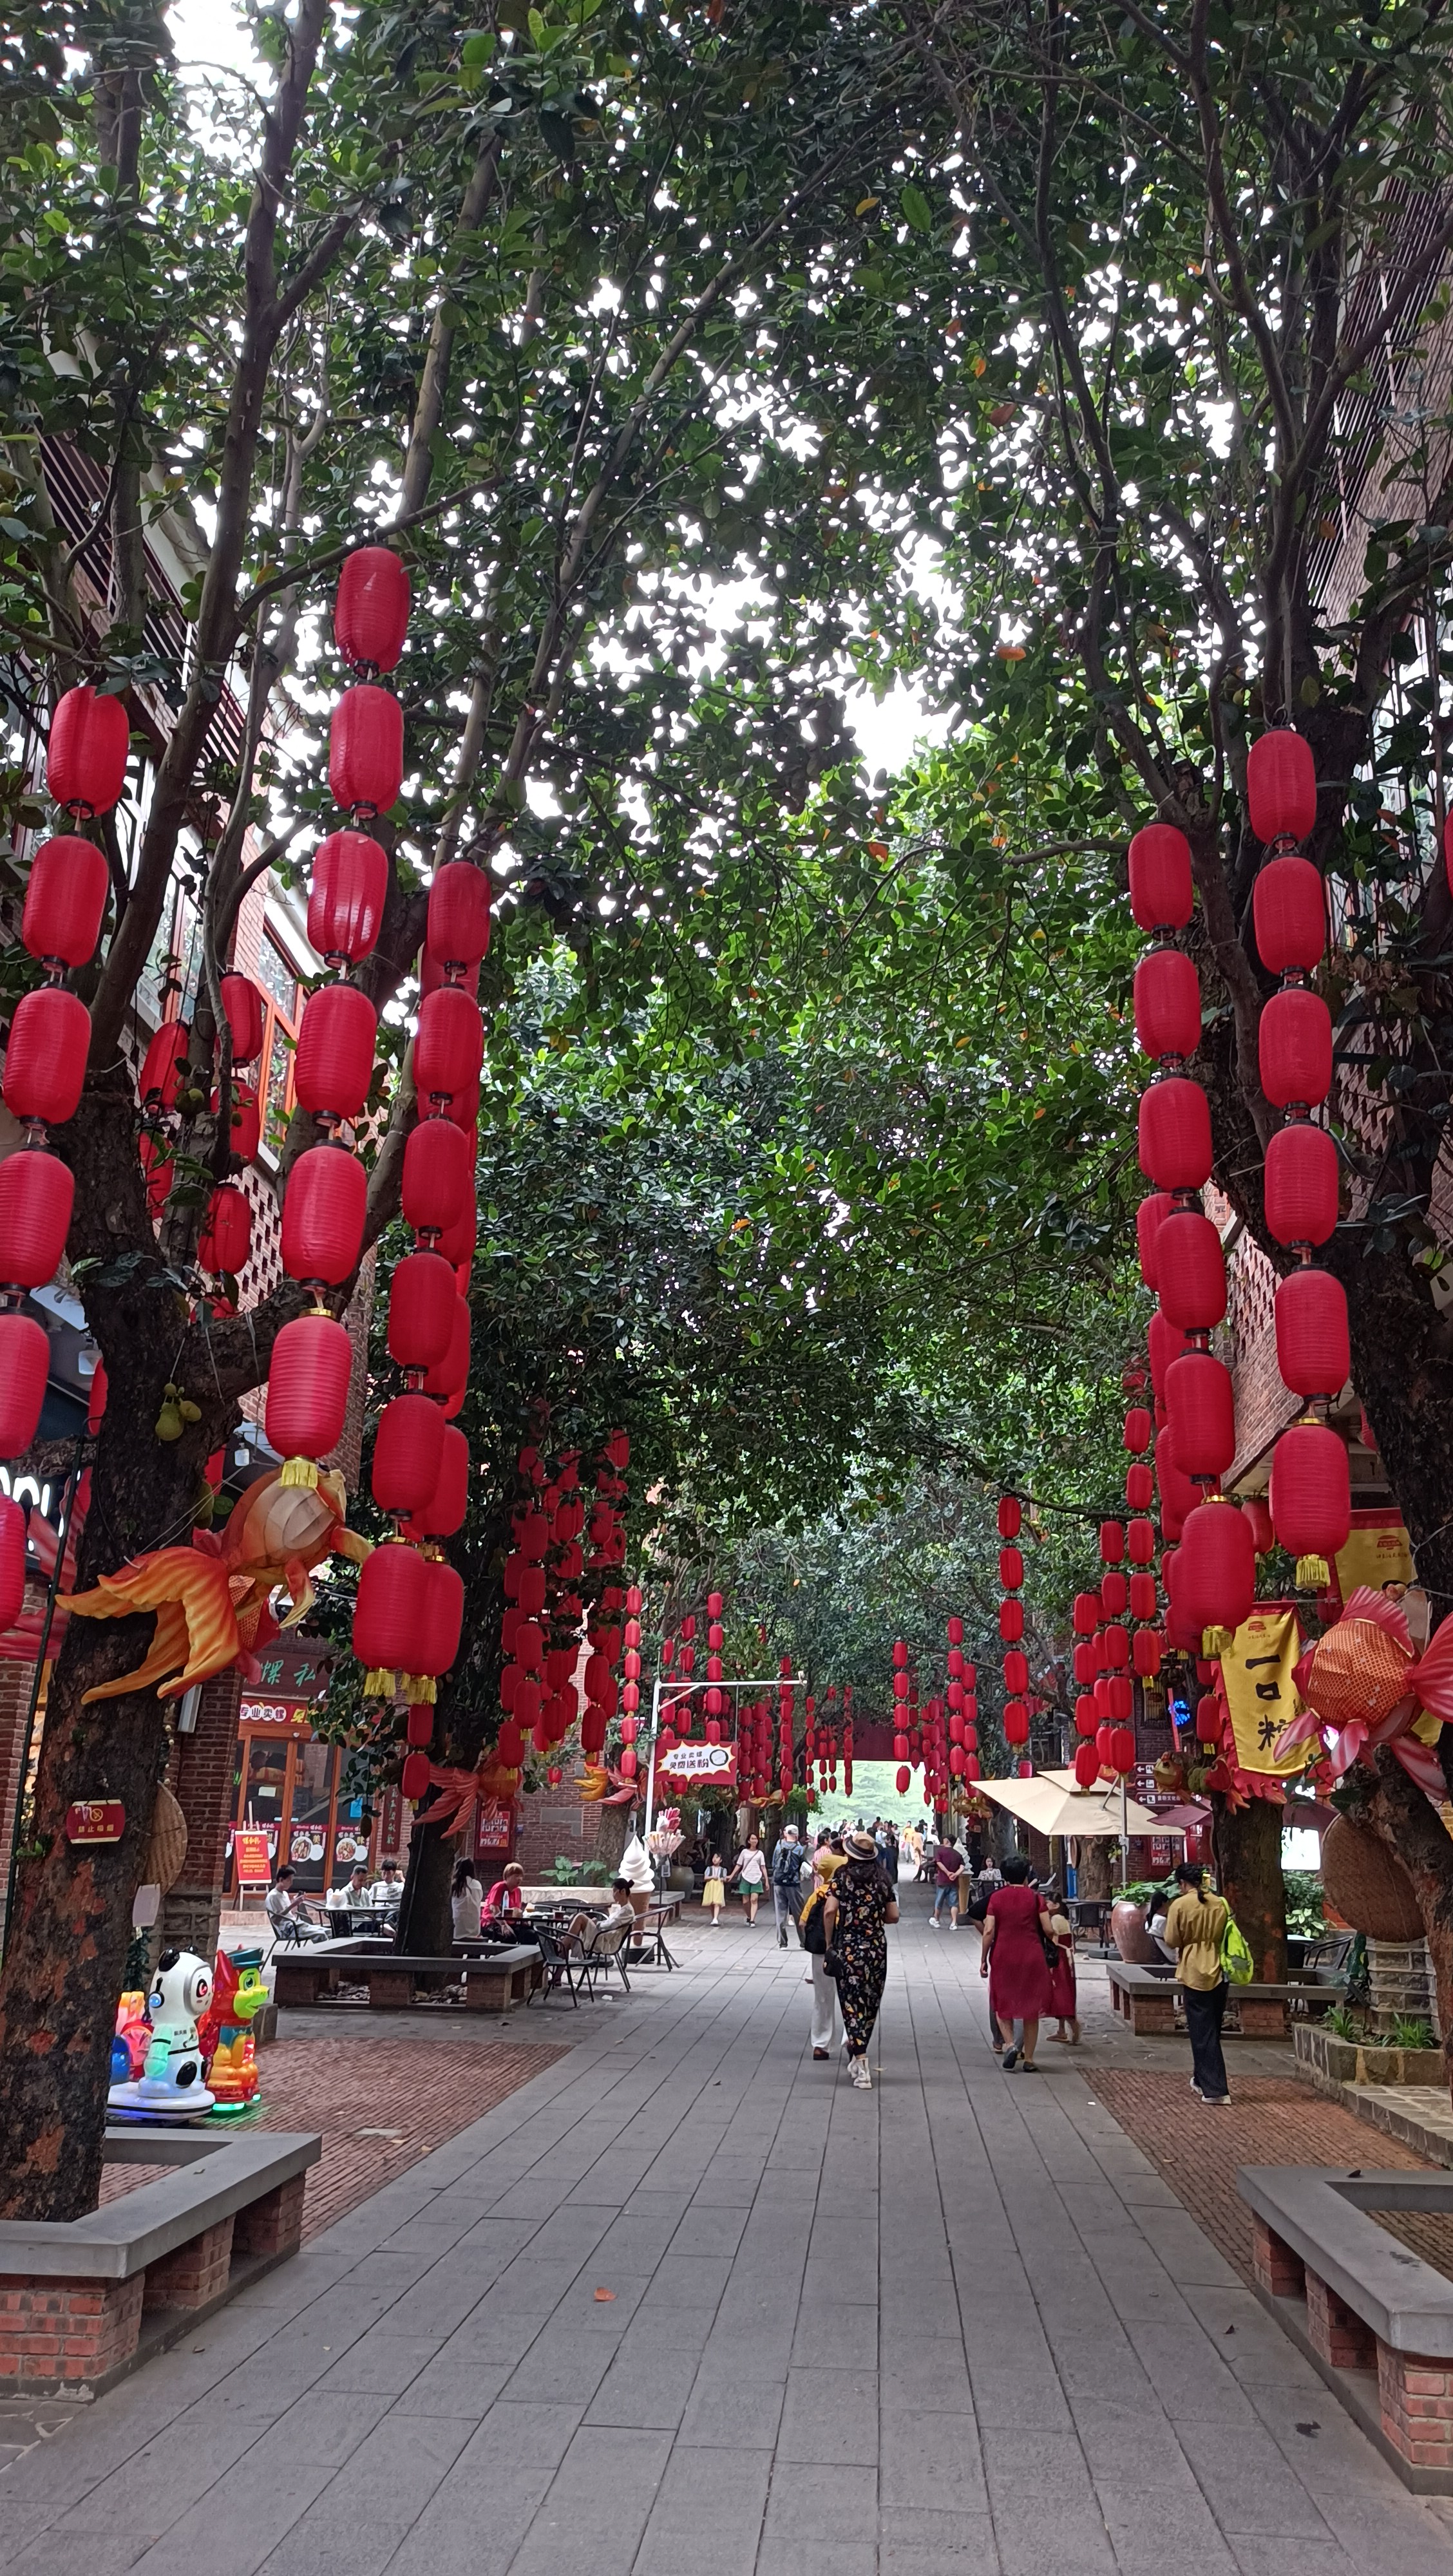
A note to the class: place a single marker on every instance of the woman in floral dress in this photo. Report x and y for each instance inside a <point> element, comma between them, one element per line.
<point>859,1903</point>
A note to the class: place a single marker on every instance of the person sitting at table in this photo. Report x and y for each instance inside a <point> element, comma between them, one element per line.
<point>466,1900</point>
<point>388,1889</point>
<point>354,1898</point>
<point>281,1906</point>
<point>507,1896</point>
<point>620,1910</point>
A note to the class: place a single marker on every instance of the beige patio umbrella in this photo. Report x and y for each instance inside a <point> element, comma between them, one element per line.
<point>1052,1804</point>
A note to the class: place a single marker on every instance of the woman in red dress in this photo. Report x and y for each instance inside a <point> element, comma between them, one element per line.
<point>1015,1927</point>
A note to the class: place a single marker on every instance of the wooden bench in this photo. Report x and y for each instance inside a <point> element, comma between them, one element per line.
<point>1146,1998</point>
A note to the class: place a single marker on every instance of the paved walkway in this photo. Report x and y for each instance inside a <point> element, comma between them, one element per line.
<point>959,2323</point>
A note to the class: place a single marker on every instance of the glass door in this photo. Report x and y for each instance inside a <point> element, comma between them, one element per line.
<point>310,1818</point>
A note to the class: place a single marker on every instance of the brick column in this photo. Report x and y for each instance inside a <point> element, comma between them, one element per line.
<point>200,1777</point>
<point>192,2273</point>
<point>65,2332</point>
<point>1278,2269</point>
<point>274,2224</point>
<point>1338,2334</point>
<point>1417,2407</point>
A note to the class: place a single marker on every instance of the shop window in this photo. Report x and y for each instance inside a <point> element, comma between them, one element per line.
<point>279,1038</point>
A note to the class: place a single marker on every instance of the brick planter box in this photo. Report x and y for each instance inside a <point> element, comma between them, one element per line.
<point>1147,1999</point>
<point>1372,2317</point>
<point>1365,2061</point>
<point>82,2303</point>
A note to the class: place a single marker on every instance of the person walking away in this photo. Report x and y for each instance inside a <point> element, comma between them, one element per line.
<point>466,1900</point>
<point>1016,1927</point>
<point>750,1867</point>
<point>1195,1928</point>
<point>713,1889</point>
<point>827,2027</point>
<point>1064,2000</point>
<point>859,1903</point>
<point>787,1887</point>
<point>948,1860</point>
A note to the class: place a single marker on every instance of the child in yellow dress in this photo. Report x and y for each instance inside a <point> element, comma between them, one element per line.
<point>713,1892</point>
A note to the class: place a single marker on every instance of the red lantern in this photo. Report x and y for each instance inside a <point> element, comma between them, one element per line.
<point>458,919</point>
<point>12,1561</point>
<point>1086,1613</point>
<point>1310,1491</point>
<point>450,1375</point>
<point>445,1620</point>
<point>1142,1593</point>
<point>1122,1749</point>
<point>1288,905</point>
<point>1191,1269</point>
<point>414,1777</point>
<point>1300,1184</point>
<point>1281,786</point>
<point>1016,1670</point>
<point>244,1121</point>
<point>24,1367</point>
<point>65,901</point>
<point>347,898</point>
<point>1215,1578</point>
<point>45,1060</point>
<point>1175,1132</point>
<point>448,1045</point>
<point>1137,1431</point>
<point>1087,1715</point>
<point>85,760</point>
<point>366,751</point>
<point>1116,1642</point>
<point>1199,1393</point>
<point>1087,1766</point>
<point>1011,1621</point>
<point>307,1388</point>
<point>444,1513</point>
<point>408,1459</point>
<point>226,1237</point>
<point>391,1613</point>
<point>1140,1547</point>
<point>421,1306</point>
<point>1139,1485</point>
<point>1166,1342</point>
<point>1010,1516</point>
<point>1178,1496</point>
<point>1112,1542</point>
<point>438,1182</point>
<point>1112,1593</point>
<point>323,1215</point>
<point>1011,1568</point>
<point>37,1194</point>
<point>1085,1663</point>
<point>1160,878</point>
<point>371,611</point>
<point>955,1632</point>
<point>243,1007</point>
<point>1208,1719</point>
<point>1294,1049</point>
<point>1149,1218</point>
<point>160,1078</point>
<point>1167,1004</point>
<point>1016,1722</point>
<point>1311,1333</point>
<point>419,1725</point>
<point>902,1776</point>
<point>1258,1513</point>
<point>333,1067</point>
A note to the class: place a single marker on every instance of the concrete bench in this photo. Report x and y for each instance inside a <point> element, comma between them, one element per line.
<point>1372,2317</point>
<point>83,2301</point>
<point>393,1977</point>
<point>501,1980</point>
<point>1146,1998</point>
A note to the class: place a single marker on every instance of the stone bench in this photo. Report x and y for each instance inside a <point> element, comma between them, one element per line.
<point>501,1980</point>
<point>1373,2318</point>
<point>492,1979</point>
<point>84,2300</point>
<point>1146,1998</point>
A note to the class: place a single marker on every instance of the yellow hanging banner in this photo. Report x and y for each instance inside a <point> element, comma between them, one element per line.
<point>1256,1680</point>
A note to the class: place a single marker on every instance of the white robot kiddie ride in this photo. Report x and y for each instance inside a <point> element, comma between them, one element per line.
<point>170,2087</point>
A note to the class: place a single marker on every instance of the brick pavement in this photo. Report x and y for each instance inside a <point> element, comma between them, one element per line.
<point>961,2322</point>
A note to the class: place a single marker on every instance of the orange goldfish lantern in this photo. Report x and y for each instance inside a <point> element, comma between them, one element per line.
<point>1365,1681</point>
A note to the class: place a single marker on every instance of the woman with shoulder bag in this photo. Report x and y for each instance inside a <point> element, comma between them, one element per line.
<point>827,2028</point>
<point>1195,1928</point>
<point>859,1904</point>
<point>1014,1959</point>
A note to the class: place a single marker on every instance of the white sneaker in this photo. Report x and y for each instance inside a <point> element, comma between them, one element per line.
<point>933,1923</point>
<point>953,1927</point>
<point>861,2074</point>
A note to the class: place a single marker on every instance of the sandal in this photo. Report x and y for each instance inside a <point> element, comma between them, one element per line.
<point>1009,2060</point>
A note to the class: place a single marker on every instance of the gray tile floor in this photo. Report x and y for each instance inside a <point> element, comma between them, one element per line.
<point>959,2323</point>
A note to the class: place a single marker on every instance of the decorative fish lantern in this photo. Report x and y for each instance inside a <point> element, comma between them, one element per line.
<point>1365,1679</point>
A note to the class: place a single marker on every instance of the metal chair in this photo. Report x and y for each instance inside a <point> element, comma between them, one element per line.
<point>559,1969</point>
<point>605,1952</point>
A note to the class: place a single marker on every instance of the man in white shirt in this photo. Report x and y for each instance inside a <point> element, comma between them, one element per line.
<point>388,1889</point>
<point>354,1898</point>
<point>281,1906</point>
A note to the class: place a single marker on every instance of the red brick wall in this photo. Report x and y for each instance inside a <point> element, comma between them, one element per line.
<point>555,1821</point>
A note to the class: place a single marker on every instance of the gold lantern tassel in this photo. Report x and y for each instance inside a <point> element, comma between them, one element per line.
<point>379,1684</point>
<point>418,1689</point>
<point>1313,1573</point>
<point>299,1471</point>
<point>1217,1641</point>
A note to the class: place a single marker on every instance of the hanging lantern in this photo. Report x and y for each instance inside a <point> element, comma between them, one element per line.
<point>1312,1350</point>
<point>1150,1216</point>
<point>419,1724</point>
<point>333,1067</point>
<point>457,934</point>
<point>226,1237</point>
<point>243,1009</point>
<point>244,1123</point>
<point>1016,1722</point>
<point>1281,786</point>
<point>371,610</point>
<point>1258,1513</point>
<point>1137,1430</point>
<point>1113,1592</point>
<point>1175,1132</point>
<point>37,1194</point>
<point>1010,1516</point>
<point>408,1453</point>
<point>1145,1646</point>
<point>1011,1568</point>
<point>1208,1719</point>
<point>1087,1714</point>
<point>307,1394</point>
<point>1087,1766</point>
<point>1167,1004</point>
<point>451,1374</point>
<point>366,751</point>
<point>1116,1642</point>
<point>1300,1185</point>
<point>414,1777</point>
<point>1086,1613</point>
<point>45,1058</point>
<point>347,897</point>
<point>1160,878</point>
<point>1178,1496</point>
<point>1140,1544</point>
<point>86,752</point>
<point>1288,906</point>
<point>448,1044</point>
<point>1215,1582</point>
<point>1139,1486</point>
<point>421,1305</point>
<point>1201,1400</point>
<point>65,901</point>
<point>1310,1494</point>
<point>1191,1269</point>
<point>445,1597</point>
<point>1016,1671</point>
<point>24,1368</point>
<point>1165,1341</point>
<point>323,1215</point>
<point>1112,1543</point>
<point>438,1178</point>
<point>162,1066</point>
<point>1141,1586</point>
<point>1122,1749</point>
<point>444,1513</point>
<point>1011,1621</point>
<point>1294,1048</point>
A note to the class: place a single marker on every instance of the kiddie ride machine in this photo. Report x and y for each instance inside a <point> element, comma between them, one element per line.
<point>160,2073</point>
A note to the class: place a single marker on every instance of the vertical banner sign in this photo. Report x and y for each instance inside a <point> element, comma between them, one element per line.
<point>251,1856</point>
<point>1256,1680</point>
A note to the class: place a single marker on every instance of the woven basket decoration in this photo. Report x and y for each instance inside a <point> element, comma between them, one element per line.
<point>1367,1885</point>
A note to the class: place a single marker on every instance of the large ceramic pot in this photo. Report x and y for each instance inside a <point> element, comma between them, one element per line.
<point>1131,1939</point>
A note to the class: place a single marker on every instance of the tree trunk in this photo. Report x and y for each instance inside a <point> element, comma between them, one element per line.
<point>615,1829</point>
<point>1247,1844</point>
<point>1092,1873</point>
<point>1411,1827</point>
